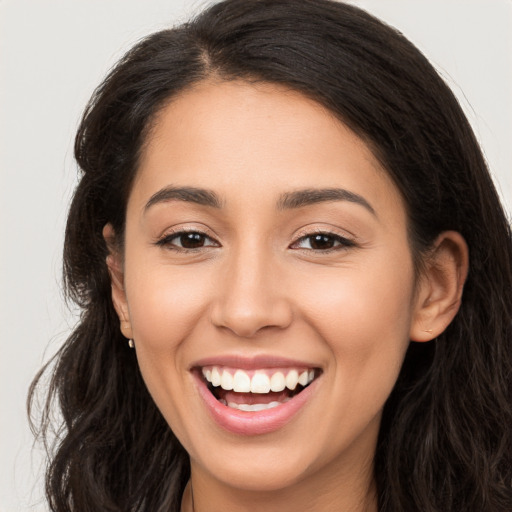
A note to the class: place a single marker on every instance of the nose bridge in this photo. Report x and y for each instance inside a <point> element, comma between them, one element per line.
<point>249,295</point>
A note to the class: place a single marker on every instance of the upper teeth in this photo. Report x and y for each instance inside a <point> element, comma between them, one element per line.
<point>262,381</point>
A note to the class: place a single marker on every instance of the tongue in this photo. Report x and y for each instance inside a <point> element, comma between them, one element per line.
<point>252,398</point>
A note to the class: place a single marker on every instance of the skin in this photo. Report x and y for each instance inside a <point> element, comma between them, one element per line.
<point>258,285</point>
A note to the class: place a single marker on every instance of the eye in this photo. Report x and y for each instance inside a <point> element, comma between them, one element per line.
<point>323,242</point>
<point>187,241</point>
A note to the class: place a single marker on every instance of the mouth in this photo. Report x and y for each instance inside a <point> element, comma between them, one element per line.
<point>256,390</point>
<point>257,400</point>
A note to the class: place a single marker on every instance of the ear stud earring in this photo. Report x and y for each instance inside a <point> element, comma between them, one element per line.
<point>131,344</point>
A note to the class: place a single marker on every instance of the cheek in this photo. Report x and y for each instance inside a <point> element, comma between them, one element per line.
<point>363,315</point>
<point>164,305</point>
<point>363,319</point>
<point>359,300</point>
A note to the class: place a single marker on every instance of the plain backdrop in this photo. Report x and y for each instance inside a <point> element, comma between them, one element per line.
<point>52,55</point>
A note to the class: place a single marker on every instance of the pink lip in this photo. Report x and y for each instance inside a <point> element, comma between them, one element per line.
<point>252,363</point>
<point>255,422</point>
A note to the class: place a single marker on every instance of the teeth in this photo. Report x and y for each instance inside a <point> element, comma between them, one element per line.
<point>277,382</point>
<point>260,382</point>
<point>292,379</point>
<point>241,382</point>
<point>303,378</point>
<point>216,377</point>
<point>207,374</point>
<point>253,407</point>
<point>226,381</point>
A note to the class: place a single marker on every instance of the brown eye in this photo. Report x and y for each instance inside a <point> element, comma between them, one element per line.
<point>187,240</point>
<point>323,242</point>
<point>191,240</point>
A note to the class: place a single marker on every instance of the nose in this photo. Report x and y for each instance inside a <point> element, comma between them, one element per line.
<point>250,295</point>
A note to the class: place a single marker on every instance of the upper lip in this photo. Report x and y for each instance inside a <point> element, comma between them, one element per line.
<point>253,362</point>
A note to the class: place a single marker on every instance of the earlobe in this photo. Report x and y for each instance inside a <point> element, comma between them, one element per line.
<point>440,289</point>
<point>115,269</point>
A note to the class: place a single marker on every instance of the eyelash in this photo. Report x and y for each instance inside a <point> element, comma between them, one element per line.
<point>343,243</point>
<point>167,239</point>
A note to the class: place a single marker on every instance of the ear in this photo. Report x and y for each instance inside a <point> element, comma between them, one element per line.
<point>115,269</point>
<point>440,287</point>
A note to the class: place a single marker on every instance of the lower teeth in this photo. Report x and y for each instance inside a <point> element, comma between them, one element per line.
<point>252,407</point>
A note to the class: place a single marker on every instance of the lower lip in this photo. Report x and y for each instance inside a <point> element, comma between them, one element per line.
<point>252,423</point>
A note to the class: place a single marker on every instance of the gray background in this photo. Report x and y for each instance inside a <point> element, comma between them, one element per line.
<point>52,55</point>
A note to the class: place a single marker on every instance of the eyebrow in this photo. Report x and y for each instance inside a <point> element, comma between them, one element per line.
<point>196,195</point>
<point>309,196</point>
<point>286,201</point>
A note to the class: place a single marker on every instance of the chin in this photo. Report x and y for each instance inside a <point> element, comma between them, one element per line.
<point>265,474</point>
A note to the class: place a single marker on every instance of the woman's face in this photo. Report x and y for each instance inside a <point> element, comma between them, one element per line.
<point>264,246</point>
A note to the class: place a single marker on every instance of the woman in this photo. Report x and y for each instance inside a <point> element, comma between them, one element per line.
<point>295,276</point>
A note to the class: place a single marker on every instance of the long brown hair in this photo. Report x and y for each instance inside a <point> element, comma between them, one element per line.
<point>445,441</point>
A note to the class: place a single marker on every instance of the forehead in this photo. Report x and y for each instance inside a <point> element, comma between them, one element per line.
<point>256,140</point>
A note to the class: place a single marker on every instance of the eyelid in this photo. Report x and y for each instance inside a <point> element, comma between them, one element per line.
<point>344,241</point>
<point>328,230</point>
<point>167,236</point>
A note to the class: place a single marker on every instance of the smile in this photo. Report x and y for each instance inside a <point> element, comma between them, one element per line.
<point>257,400</point>
<point>273,386</point>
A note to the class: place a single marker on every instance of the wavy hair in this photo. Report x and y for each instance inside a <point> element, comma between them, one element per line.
<point>445,441</point>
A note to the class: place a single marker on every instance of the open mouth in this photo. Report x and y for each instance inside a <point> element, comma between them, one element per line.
<point>256,390</point>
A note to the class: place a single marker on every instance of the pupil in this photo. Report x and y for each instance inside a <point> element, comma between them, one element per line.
<point>192,240</point>
<point>322,242</point>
